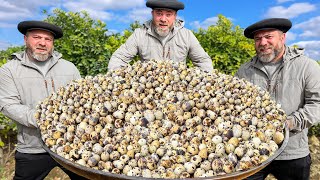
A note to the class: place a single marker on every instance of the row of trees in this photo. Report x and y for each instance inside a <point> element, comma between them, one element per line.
<point>87,44</point>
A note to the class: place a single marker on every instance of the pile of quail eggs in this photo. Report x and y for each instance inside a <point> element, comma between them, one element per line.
<point>160,119</point>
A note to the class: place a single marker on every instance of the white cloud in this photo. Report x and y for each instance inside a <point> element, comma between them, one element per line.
<point>26,5</point>
<point>312,48</point>
<point>10,11</point>
<point>101,9</point>
<point>290,36</point>
<point>7,25</point>
<point>9,16</point>
<point>311,28</point>
<point>103,4</point>
<point>111,32</point>
<point>101,15</point>
<point>16,10</point>
<point>292,11</point>
<point>4,45</point>
<point>283,1</point>
<point>141,15</point>
<point>204,24</point>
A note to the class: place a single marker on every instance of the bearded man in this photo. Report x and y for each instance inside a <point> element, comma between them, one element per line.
<point>292,80</point>
<point>162,38</point>
<point>27,79</point>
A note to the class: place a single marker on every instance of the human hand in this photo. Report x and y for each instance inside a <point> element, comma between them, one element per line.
<point>289,122</point>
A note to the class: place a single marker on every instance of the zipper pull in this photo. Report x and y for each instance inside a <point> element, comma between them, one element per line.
<point>46,84</point>
<point>52,83</point>
<point>269,85</point>
<point>163,52</point>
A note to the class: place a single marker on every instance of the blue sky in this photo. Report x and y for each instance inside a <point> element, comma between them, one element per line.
<point>118,14</point>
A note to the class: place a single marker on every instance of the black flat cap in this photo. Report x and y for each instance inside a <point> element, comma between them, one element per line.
<point>281,24</point>
<point>25,26</point>
<point>167,4</point>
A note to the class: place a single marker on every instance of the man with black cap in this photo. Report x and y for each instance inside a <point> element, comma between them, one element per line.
<point>162,38</point>
<point>27,79</point>
<point>292,80</point>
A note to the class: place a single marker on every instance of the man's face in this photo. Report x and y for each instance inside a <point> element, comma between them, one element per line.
<point>269,45</point>
<point>39,44</point>
<point>163,19</point>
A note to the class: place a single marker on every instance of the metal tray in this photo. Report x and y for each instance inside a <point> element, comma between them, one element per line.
<point>97,174</point>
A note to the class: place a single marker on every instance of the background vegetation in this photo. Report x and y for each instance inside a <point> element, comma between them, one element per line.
<point>88,44</point>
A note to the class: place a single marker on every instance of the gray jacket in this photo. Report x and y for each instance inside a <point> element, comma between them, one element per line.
<point>296,86</point>
<point>23,86</point>
<point>144,41</point>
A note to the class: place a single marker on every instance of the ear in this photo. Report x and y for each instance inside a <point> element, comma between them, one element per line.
<point>283,37</point>
<point>25,39</point>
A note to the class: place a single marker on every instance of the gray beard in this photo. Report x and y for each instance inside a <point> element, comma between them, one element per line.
<point>39,57</point>
<point>162,32</point>
<point>266,58</point>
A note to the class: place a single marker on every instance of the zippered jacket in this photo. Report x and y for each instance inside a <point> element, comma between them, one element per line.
<point>23,86</point>
<point>295,85</point>
<point>180,44</point>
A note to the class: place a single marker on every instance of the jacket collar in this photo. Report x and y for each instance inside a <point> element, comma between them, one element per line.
<point>22,56</point>
<point>289,54</point>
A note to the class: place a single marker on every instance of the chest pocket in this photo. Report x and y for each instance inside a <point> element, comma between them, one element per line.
<point>290,94</point>
<point>150,49</point>
<point>31,89</point>
<point>180,51</point>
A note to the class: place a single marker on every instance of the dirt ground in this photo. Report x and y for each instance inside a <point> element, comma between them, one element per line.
<point>7,170</point>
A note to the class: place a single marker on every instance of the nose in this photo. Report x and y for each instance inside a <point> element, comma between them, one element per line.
<point>263,41</point>
<point>163,18</point>
<point>42,42</point>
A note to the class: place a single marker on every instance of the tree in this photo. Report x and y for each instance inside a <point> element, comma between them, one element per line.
<point>116,40</point>
<point>6,125</point>
<point>5,55</point>
<point>226,45</point>
<point>84,42</point>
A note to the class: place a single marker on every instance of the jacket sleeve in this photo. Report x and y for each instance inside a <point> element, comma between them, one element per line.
<point>124,54</point>
<point>10,103</point>
<point>197,54</point>
<point>76,73</point>
<point>309,114</point>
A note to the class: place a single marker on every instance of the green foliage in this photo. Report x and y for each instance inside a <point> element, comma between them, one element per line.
<point>87,45</point>
<point>5,55</point>
<point>116,40</point>
<point>226,45</point>
<point>7,126</point>
<point>84,41</point>
<point>314,130</point>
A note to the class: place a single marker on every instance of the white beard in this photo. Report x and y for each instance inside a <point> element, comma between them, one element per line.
<point>162,32</point>
<point>266,58</point>
<point>39,56</point>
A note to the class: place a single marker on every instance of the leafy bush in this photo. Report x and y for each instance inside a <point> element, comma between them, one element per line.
<point>226,45</point>
<point>87,45</point>
<point>315,130</point>
<point>84,41</point>
<point>7,126</point>
<point>5,55</point>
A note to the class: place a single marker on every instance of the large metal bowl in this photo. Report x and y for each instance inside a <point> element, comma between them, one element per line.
<point>97,174</point>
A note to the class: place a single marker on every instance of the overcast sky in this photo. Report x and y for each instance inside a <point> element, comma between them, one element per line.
<point>118,14</point>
